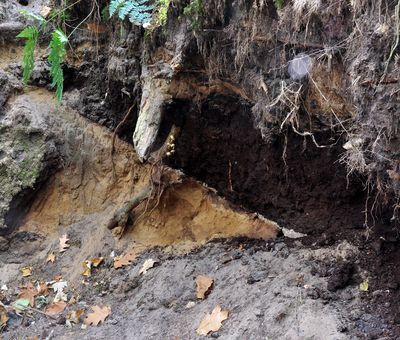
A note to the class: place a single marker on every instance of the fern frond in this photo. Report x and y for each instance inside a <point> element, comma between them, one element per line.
<point>56,58</point>
<point>139,12</point>
<point>115,5</point>
<point>31,34</point>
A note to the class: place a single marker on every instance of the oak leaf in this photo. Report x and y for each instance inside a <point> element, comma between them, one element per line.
<point>51,258</point>
<point>98,315</point>
<point>125,260</point>
<point>63,243</point>
<point>204,284</point>
<point>55,308</point>
<point>212,322</point>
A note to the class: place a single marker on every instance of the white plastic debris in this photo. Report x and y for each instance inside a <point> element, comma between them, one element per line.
<point>299,66</point>
<point>290,233</point>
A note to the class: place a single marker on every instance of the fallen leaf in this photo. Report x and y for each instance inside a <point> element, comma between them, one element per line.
<point>63,243</point>
<point>364,286</point>
<point>97,261</point>
<point>21,304</point>
<point>212,322</point>
<point>45,11</point>
<point>125,260</point>
<point>72,300</point>
<point>28,292</point>
<point>51,258</point>
<point>87,268</point>
<point>55,308</point>
<point>58,288</point>
<point>26,271</point>
<point>3,317</point>
<point>204,284</point>
<point>42,288</point>
<point>98,315</point>
<point>75,315</point>
<point>148,264</point>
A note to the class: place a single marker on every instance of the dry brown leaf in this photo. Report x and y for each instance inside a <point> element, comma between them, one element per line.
<point>51,258</point>
<point>212,322</point>
<point>3,317</point>
<point>28,292</point>
<point>43,288</point>
<point>125,260</point>
<point>98,315</point>
<point>56,308</point>
<point>204,284</point>
<point>96,28</point>
<point>26,271</point>
<point>72,300</point>
<point>148,264</point>
<point>45,11</point>
<point>63,243</point>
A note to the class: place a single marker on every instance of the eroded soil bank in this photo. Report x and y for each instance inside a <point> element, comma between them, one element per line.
<point>289,192</point>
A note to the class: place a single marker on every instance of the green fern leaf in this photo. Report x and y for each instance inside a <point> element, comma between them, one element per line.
<point>31,34</point>
<point>139,12</point>
<point>115,5</point>
<point>56,58</point>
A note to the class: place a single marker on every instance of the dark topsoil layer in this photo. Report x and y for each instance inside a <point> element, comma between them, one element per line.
<point>303,187</point>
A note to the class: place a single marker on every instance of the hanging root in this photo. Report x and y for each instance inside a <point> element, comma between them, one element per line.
<point>161,177</point>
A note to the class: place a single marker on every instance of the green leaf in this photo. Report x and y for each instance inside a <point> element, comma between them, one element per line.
<point>31,34</point>
<point>21,304</point>
<point>138,12</point>
<point>56,58</point>
<point>364,286</point>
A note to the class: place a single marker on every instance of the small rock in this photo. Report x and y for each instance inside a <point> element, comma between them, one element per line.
<point>61,320</point>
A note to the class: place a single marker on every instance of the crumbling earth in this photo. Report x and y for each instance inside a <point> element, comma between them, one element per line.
<point>301,241</point>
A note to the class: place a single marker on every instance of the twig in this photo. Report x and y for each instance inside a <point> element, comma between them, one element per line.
<point>40,312</point>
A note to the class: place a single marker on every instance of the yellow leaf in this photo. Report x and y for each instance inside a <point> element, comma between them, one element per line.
<point>87,266</point>
<point>26,271</point>
<point>364,286</point>
<point>97,261</point>
<point>51,258</point>
<point>212,322</point>
<point>204,284</point>
<point>63,243</point>
<point>98,315</point>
